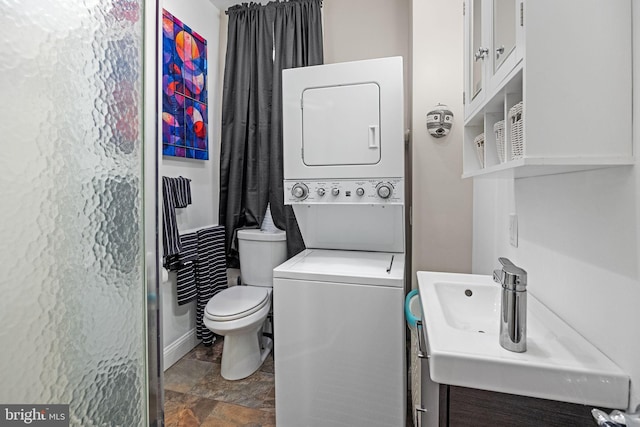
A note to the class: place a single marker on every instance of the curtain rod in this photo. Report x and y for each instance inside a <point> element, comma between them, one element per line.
<point>276,3</point>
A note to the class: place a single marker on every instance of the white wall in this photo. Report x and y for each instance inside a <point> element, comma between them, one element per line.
<point>204,18</point>
<point>178,322</point>
<point>365,29</point>
<point>430,40</point>
<point>578,240</point>
<point>442,201</point>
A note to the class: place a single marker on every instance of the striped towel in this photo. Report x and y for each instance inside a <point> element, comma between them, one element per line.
<point>185,264</point>
<point>211,274</point>
<point>176,193</point>
<point>183,192</point>
<point>202,272</point>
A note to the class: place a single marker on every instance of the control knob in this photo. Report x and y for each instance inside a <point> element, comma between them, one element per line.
<point>300,191</point>
<point>360,191</point>
<point>321,191</point>
<point>335,191</point>
<point>385,190</point>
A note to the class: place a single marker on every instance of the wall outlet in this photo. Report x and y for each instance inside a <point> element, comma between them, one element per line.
<point>513,230</point>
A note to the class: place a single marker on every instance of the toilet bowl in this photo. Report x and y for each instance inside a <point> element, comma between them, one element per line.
<point>239,312</point>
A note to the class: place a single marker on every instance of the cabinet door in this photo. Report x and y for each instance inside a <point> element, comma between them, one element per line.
<point>430,398</point>
<point>469,407</point>
<point>506,34</point>
<point>476,53</point>
<point>429,391</point>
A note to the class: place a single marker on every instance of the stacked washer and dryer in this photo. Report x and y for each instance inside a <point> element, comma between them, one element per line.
<point>338,305</point>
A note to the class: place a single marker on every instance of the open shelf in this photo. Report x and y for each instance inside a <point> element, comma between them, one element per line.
<point>528,166</point>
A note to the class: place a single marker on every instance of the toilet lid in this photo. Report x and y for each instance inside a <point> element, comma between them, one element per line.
<point>236,302</point>
<point>259,235</point>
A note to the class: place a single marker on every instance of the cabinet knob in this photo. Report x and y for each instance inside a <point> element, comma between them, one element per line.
<point>481,53</point>
<point>499,51</point>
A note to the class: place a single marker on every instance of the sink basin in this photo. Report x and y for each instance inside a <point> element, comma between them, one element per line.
<point>474,309</point>
<point>461,317</point>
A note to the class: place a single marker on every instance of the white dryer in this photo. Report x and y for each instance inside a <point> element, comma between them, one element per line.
<point>339,327</point>
<point>344,154</point>
<point>344,120</point>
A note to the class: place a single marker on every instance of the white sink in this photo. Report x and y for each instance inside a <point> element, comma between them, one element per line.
<point>461,315</point>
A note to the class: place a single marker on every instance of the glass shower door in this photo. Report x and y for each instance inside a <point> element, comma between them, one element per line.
<point>73,295</point>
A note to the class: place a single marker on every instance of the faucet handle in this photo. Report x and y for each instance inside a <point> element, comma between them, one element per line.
<point>513,277</point>
<point>510,267</point>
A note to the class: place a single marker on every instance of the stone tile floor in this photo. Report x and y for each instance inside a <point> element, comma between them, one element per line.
<point>197,395</point>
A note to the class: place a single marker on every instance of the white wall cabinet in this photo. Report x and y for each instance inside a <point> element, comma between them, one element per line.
<point>569,63</point>
<point>493,47</point>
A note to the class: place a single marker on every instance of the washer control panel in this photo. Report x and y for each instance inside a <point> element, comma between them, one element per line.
<point>352,191</point>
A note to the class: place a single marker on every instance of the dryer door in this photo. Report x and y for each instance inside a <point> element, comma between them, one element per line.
<point>341,125</point>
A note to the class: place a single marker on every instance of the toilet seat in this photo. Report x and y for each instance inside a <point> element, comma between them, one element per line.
<point>236,302</point>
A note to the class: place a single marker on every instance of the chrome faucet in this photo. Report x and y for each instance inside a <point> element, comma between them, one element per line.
<point>513,314</point>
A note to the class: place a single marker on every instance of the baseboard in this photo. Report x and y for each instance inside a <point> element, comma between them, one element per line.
<point>177,349</point>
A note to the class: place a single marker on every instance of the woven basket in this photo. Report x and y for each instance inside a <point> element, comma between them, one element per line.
<point>516,118</point>
<point>498,129</point>
<point>478,141</point>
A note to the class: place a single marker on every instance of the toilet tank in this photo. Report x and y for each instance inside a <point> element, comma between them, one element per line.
<point>260,252</point>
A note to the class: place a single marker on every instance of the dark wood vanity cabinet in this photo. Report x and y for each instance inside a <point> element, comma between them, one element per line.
<point>461,406</point>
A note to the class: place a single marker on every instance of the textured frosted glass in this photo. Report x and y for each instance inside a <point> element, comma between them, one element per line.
<point>71,290</point>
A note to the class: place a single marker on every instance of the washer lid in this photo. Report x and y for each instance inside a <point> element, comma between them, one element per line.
<point>349,267</point>
<point>236,302</point>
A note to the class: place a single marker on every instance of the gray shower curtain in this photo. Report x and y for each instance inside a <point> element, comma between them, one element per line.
<point>262,41</point>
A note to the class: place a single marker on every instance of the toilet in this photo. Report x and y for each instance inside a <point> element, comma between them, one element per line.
<point>239,312</point>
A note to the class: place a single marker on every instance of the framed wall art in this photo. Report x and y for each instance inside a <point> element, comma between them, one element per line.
<point>184,91</point>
